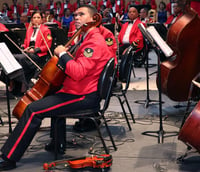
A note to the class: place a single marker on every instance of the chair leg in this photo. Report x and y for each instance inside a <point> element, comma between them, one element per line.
<point>129,108</point>
<point>56,139</point>
<point>133,72</point>
<point>109,133</point>
<point>124,112</point>
<point>100,135</point>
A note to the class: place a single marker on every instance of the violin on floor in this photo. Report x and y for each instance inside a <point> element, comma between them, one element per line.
<point>96,161</point>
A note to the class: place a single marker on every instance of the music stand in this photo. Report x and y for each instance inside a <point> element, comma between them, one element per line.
<point>12,69</point>
<point>147,101</point>
<point>155,41</point>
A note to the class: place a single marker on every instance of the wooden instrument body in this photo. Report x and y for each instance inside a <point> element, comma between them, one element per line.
<point>190,131</point>
<point>51,77</point>
<point>50,80</point>
<point>176,76</point>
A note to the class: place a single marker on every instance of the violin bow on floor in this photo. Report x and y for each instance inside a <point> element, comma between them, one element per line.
<point>95,161</point>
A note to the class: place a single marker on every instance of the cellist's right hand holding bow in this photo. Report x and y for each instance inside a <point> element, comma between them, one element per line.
<point>60,49</point>
<point>64,56</point>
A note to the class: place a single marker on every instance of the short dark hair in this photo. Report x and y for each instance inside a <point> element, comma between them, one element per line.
<point>91,8</point>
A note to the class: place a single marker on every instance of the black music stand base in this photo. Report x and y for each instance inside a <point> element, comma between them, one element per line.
<point>147,102</point>
<point>160,134</point>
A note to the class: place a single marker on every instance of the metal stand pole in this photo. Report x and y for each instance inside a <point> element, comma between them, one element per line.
<point>160,134</point>
<point>147,101</point>
<point>8,105</point>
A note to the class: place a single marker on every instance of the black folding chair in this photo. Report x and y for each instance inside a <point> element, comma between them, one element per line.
<point>105,84</point>
<point>125,68</point>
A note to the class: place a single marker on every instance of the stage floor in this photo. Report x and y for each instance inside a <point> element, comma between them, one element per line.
<point>136,152</point>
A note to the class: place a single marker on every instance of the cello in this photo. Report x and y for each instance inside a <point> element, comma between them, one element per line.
<point>183,38</point>
<point>51,77</point>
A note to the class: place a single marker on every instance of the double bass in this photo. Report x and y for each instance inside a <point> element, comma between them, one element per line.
<point>51,77</point>
<point>183,38</point>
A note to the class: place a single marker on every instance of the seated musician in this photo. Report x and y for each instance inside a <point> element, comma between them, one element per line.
<point>85,125</point>
<point>175,16</point>
<point>144,16</point>
<point>49,15</point>
<point>130,34</point>
<point>79,89</point>
<point>24,20</point>
<point>37,41</point>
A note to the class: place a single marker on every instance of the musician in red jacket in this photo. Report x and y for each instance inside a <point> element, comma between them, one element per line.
<point>106,3</point>
<point>78,3</point>
<point>51,5</point>
<point>36,45</point>
<point>59,10</point>
<point>91,2</point>
<point>175,16</point>
<point>6,12</point>
<point>152,3</point>
<point>28,8</point>
<point>79,89</point>
<point>16,9</point>
<point>118,6</point>
<point>130,34</point>
<point>67,4</point>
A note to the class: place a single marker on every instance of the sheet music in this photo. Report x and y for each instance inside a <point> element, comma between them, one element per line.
<point>159,41</point>
<point>8,61</point>
<point>145,34</point>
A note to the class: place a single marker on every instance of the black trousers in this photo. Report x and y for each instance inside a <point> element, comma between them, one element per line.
<point>50,106</point>
<point>122,48</point>
<point>29,68</point>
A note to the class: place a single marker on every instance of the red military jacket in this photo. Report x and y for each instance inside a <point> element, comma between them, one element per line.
<point>171,17</point>
<point>3,28</point>
<point>49,5</point>
<point>61,12</point>
<point>108,4</point>
<point>7,13</point>
<point>92,3</point>
<point>30,10</point>
<point>110,41</point>
<point>19,9</point>
<point>119,8</point>
<point>69,5</point>
<point>153,4</point>
<point>84,70</point>
<point>39,43</point>
<point>135,34</point>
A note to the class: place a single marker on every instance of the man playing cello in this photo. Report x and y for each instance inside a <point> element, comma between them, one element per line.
<point>79,89</point>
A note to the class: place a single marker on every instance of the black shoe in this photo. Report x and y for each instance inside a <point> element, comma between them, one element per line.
<point>85,125</point>
<point>7,164</point>
<point>117,87</point>
<point>50,147</point>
